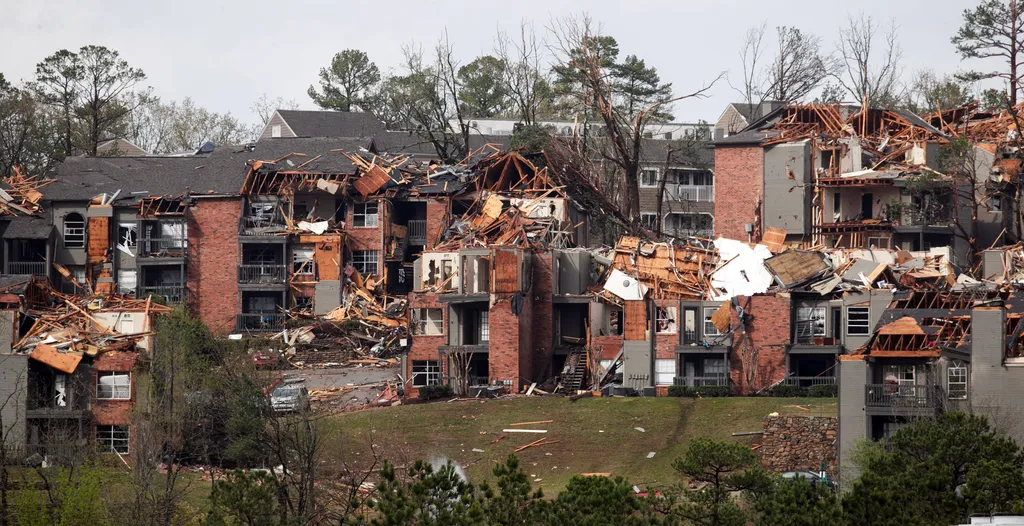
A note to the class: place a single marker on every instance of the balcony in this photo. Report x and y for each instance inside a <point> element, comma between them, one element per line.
<point>163,247</point>
<point>695,192</point>
<point>932,216</point>
<point>34,268</point>
<point>262,225</point>
<point>808,381</point>
<point>172,294</point>
<point>717,380</point>
<point>262,274</point>
<point>259,322</point>
<point>906,397</point>
<point>418,232</point>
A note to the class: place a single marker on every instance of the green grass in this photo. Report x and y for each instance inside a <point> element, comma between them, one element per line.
<point>595,434</point>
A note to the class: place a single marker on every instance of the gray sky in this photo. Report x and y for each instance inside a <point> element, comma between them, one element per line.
<point>224,54</point>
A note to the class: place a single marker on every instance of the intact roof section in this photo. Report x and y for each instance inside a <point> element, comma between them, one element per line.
<point>322,123</point>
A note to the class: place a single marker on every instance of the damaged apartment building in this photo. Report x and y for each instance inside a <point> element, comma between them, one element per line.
<point>839,176</point>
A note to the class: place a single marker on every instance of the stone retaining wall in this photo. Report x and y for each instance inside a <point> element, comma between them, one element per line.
<point>798,443</point>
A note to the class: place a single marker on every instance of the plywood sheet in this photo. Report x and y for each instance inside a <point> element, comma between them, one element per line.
<point>327,254</point>
<point>372,180</point>
<point>506,270</point>
<point>65,362</point>
<point>635,314</point>
<point>99,236</point>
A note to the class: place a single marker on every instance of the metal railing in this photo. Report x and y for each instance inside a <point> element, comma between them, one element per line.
<point>936,215</point>
<point>417,231</point>
<point>173,294</point>
<point>268,225</point>
<point>902,396</point>
<point>35,268</point>
<point>260,321</point>
<point>695,192</point>
<point>807,381</point>
<point>261,273</point>
<point>702,381</point>
<point>163,247</point>
<point>803,331</point>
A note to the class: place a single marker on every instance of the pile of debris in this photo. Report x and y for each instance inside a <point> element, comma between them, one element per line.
<point>670,270</point>
<point>20,194</point>
<point>70,327</point>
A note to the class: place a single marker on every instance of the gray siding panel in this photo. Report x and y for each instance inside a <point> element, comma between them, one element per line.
<point>13,386</point>
<point>996,390</point>
<point>853,420</point>
<point>786,193</point>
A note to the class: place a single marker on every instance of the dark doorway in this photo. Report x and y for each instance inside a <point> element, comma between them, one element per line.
<point>866,200</point>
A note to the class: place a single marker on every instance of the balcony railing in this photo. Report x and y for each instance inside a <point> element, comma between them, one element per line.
<point>173,294</point>
<point>807,381</point>
<point>173,247</point>
<point>417,232</point>
<point>937,216</point>
<point>702,381</point>
<point>256,273</point>
<point>803,331</point>
<point>35,268</point>
<point>902,396</point>
<point>260,322</point>
<point>695,192</point>
<point>267,225</point>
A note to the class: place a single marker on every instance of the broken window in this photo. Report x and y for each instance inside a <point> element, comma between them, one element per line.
<point>858,321</point>
<point>956,380</point>
<point>114,386</point>
<point>810,322</point>
<point>667,321</point>
<point>649,177</point>
<point>302,260</point>
<point>714,367</point>
<point>615,321</point>
<point>365,261</point>
<point>689,325</point>
<point>126,281</point>
<point>649,221</point>
<point>427,322</point>
<point>74,231</point>
<point>995,204</point>
<point>664,371</point>
<point>112,439</point>
<point>364,215</point>
<point>426,372</point>
<point>173,232</point>
<point>303,302</point>
<point>127,234</point>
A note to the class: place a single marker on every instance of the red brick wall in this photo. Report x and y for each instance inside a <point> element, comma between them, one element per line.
<point>767,333</point>
<point>424,347</point>
<point>368,238</point>
<point>437,215</point>
<point>609,345</point>
<point>213,262</point>
<point>504,344</point>
<point>665,344</point>
<point>739,181</point>
<point>539,323</point>
<point>113,412</point>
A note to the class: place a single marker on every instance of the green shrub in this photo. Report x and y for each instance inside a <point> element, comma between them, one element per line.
<point>712,391</point>
<point>430,392</point>
<point>824,391</point>
<point>787,391</point>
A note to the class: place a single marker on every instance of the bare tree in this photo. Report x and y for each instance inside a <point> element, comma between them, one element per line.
<point>581,51</point>
<point>752,90</point>
<point>264,107</point>
<point>459,363</point>
<point>525,80</point>
<point>798,67</point>
<point>869,68</point>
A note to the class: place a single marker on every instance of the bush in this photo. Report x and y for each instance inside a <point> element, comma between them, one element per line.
<point>713,391</point>
<point>787,391</point>
<point>824,391</point>
<point>430,392</point>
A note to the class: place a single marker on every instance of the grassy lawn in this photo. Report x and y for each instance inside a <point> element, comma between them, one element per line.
<point>594,434</point>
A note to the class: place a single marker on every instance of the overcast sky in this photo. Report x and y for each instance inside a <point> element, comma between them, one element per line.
<point>224,54</point>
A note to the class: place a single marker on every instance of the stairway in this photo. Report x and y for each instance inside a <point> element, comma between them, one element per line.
<point>575,371</point>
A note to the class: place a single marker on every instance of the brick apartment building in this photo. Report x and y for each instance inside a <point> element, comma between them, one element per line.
<point>840,176</point>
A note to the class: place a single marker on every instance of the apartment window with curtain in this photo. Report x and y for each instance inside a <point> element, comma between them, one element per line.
<point>485,331</point>
<point>114,386</point>
<point>364,215</point>
<point>664,371</point>
<point>365,261</point>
